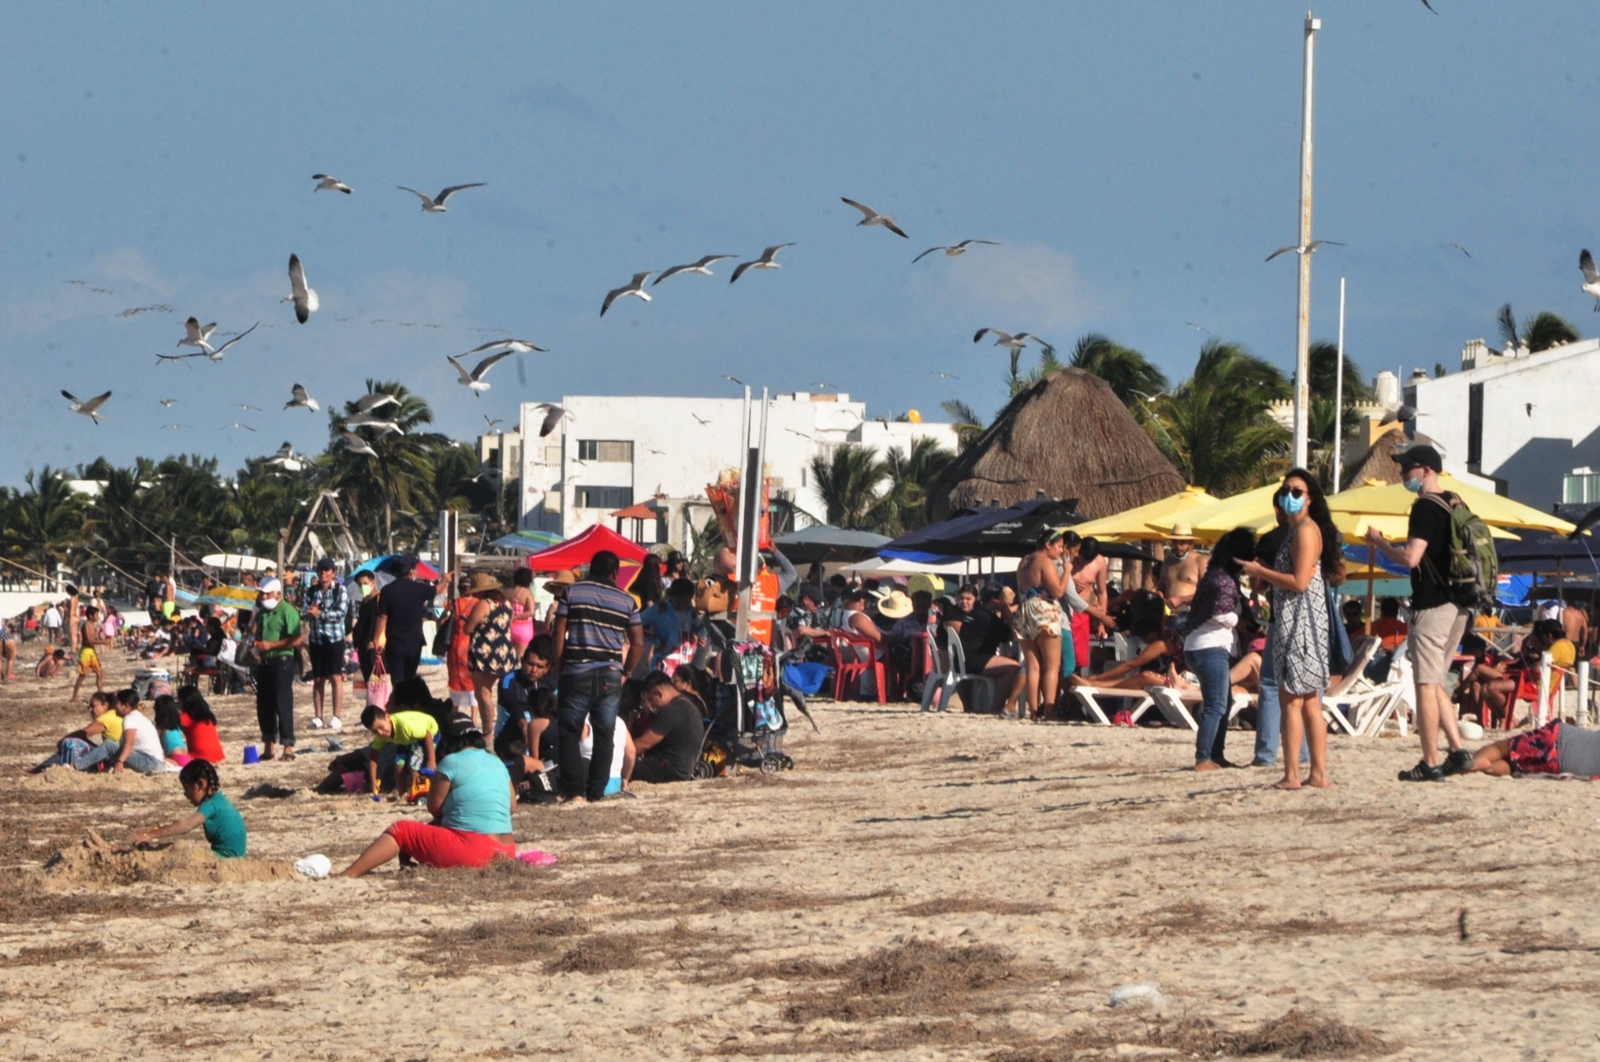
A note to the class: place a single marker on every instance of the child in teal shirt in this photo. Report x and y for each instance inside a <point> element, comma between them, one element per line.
<point>223,826</point>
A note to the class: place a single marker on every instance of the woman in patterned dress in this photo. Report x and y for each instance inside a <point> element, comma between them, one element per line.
<point>1308,559</point>
<point>490,653</point>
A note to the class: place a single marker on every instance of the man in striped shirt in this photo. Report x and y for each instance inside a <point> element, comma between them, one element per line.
<point>598,639</point>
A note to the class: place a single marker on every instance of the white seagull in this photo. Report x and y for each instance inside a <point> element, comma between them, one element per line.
<point>764,262</point>
<point>702,266</point>
<point>474,379</point>
<point>285,459</point>
<point>374,400</point>
<point>302,400</point>
<point>1591,277</point>
<point>89,407</point>
<point>634,287</point>
<point>872,217</point>
<point>1011,342</point>
<point>236,424</point>
<point>552,417</point>
<point>516,346</point>
<point>302,294</point>
<point>435,204</point>
<point>195,334</point>
<point>374,421</point>
<point>1309,248</point>
<point>954,250</point>
<point>215,354</point>
<point>168,403</point>
<point>356,444</point>
<point>329,184</point>
<point>493,424</point>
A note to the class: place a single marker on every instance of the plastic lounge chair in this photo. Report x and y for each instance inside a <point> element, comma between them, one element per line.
<point>1178,706</point>
<point>1342,701</point>
<point>1088,697</point>
<point>1374,705</point>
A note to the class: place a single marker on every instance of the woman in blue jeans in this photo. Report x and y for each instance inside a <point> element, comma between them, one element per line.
<point>1208,648</point>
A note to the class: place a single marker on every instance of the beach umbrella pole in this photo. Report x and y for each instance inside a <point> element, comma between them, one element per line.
<point>1372,583</point>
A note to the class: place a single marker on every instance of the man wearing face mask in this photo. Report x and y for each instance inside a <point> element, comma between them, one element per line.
<point>278,633</point>
<point>1437,622</point>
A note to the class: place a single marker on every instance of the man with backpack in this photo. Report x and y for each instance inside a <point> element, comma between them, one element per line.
<point>1440,550</point>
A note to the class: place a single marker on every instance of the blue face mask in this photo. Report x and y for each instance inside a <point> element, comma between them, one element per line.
<point>1291,505</point>
<point>1414,486</point>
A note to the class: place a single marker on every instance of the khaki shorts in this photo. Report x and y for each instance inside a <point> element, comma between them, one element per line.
<point>1434,634</point>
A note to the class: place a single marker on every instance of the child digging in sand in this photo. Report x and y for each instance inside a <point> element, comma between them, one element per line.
<point>223,826</point>
<point>401,743</point>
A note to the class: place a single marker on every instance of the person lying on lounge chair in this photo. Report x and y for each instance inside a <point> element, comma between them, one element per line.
<point>1160,663</point>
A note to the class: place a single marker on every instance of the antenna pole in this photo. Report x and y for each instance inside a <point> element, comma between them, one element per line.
<point>1302,345</point>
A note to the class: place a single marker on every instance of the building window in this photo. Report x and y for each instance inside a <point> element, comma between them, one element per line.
<point>1580,488</point>
<point>603,497</point>
<point>618,451</point>
<point>1474,425</point>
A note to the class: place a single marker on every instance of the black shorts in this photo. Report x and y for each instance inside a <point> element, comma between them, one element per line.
<point>327,661</point>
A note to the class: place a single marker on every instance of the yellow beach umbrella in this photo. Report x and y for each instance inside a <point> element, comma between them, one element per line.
<point>1392,499</point>
<point>1211,522</point>
<point>1135,524</point>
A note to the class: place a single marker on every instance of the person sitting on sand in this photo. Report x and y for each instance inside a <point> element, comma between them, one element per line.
<point>50,664</point>
<point>1160,663</point>
<point>140,747</point>
<point>670,734</point>
<point>169,725</point>
<point>213,813</point>
<point>1554,748</point>
<point>402,743</point>
<point>104,724</point>
<point>470,801</point>
<point>199,725</point>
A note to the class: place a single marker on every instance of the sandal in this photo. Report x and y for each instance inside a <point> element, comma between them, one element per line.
<point>286,754</point>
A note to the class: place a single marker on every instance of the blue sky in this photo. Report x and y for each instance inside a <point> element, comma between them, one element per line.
<point>1137,160</point>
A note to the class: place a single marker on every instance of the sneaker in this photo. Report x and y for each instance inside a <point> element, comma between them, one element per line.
<point>1422,773</point>
<point>1458,762</point>
<point>334,724</point>
<point>316,722</point>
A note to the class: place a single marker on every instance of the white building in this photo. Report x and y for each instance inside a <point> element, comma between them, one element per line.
<point>660,453</point>
<point>1517,423</point>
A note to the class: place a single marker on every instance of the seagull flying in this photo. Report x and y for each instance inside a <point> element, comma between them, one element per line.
<point>733,379</point>
<point>945,375</point>
<point>377,399</point>
<point>374,421</point>
<point>872,217</point>
<point>1460,248</point>
<point>764,262</point>
<point>1428,6</point>
<point>329,184</point>
<point>954,251</point>
<point>285,459</point>
<point>135,311</point>
<point>195,334</point>
<point>302,294</point>
<point>634,287</point>
<point>1309,248</point>
<point>168,403</point>
<point>357,445</point>
<point>302,400</point>
<point>1591,277</point>
<point>247,406</point>
<point>435,204</point>
<point>88,407</point>
<point>491,423</point>
<point>1011,342</point>
<point>516,346</point>
<point>552,417</point>
<point>474,379</point>
<point>699,419</point>
<point>702,266</point>
<point>214,354</point>
<point>236,424</point>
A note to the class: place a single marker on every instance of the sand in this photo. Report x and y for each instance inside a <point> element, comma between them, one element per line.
<point>920,887</point>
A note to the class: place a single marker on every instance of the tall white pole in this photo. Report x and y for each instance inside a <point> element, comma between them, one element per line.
<point>1302,367</point>
<point>1338,401</point>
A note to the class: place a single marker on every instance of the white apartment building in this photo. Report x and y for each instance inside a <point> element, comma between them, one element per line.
<point>1525,425</point>
<point>613,452</point>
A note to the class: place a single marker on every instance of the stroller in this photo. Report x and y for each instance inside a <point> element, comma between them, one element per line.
<point>748,721</point>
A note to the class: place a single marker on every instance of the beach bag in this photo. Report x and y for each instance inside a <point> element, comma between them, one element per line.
<point>444,633</point>
<point>1473,577</point>
<point>378,687</point>
<point>246,655</point>
<point>712,596</point>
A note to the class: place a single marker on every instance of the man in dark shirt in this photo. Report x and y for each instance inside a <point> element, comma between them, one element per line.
<point>402,606</point>
<point>670,744</point>
<point>1437,621</point>
<point>597,640</point>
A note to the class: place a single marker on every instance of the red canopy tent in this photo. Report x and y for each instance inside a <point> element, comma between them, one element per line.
<point>579,550</point>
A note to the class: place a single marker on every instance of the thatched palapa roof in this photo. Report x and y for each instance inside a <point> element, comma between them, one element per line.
<point>1378,464</point>
<point>1068,436</point>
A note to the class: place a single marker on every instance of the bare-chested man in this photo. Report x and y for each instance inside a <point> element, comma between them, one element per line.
<point>1181,571</point>
<point>1575,621</point>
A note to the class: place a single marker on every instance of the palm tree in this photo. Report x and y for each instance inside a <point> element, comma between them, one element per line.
<point>903,505</point>
<point>1127,371</point>
<point>848,485</point>
<point>399,479</point>
<point>1539,332</point>
<point>964,420</point>
<point>48,518</point>
<point>1214,426</point>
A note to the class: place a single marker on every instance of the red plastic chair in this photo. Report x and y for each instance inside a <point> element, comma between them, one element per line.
<point>849,665</point>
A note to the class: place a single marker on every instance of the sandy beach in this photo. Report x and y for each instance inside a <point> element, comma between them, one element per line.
<point>920,887</point>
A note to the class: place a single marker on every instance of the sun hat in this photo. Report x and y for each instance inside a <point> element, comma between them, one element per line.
<point>1181,532</point>
<point>560,580</point>
<point>481,582</point>
<point>896,604</point>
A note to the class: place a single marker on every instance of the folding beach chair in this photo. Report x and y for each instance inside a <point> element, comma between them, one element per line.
<point>1342,701</point>
<point>1395,698</point>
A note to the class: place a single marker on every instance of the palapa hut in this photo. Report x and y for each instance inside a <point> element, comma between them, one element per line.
<point>1377,464</point>
<point>1067,436</point>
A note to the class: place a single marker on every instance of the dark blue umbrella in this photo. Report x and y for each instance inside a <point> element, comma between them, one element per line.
<point>1009,531</point>
<point>1546,553</point>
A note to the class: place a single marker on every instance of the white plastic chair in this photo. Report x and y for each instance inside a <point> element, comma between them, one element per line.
<point>949,668</point>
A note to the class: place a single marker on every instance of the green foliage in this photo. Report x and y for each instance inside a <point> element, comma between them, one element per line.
<point>1129,372</point>
<point>862,492</point>
<point>1540,332</point>
<point>1214,426</point>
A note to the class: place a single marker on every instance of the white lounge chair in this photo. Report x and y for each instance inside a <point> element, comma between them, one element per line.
<point>1178,706</point>
<point>1088,697</point>
<point>1342,701</point>
<point>1394,698</point>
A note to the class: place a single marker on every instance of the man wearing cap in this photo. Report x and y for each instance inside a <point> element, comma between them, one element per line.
<point>402,607</point>
<point>327,606</point>
<point>278,633</point>
<point>1437,622</point>
<point>1182,570</point>
<point>597,639</point>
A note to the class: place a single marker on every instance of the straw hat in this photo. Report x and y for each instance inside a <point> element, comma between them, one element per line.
<point>482,582</point>
<point>560,581</point>
<point>896,604</point>
<point>1181,532</point>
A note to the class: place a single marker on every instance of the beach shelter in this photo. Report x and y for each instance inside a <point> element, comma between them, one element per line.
<point>1373,499</point>
<point>526,541</point>
<point>1216,518</point>
<point>578,551</point>
<point>1546,553</point>
<point>1134,525</point>
<point>824,543</point>
<point>991,531</point>
<point>389,564</point>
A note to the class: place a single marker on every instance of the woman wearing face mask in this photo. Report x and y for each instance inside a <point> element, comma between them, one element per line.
<point>278,633</point>
<point>1308,557</point>
<point>1214,614</point>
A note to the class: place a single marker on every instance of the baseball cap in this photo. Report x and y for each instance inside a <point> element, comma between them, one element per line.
<point>270,586</point>
<point>1420,456</point>
<point>326,564</point>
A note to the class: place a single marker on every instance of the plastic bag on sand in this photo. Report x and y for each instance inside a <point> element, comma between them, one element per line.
<point>314,866</point>
<point>1129,995</point>
<point>535,858</point>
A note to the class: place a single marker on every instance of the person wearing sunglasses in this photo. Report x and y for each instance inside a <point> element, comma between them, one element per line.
<point>1309,556</point>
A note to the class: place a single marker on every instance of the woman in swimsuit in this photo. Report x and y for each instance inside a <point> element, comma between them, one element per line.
<point>1038,620</point>
<point>522,605</point>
